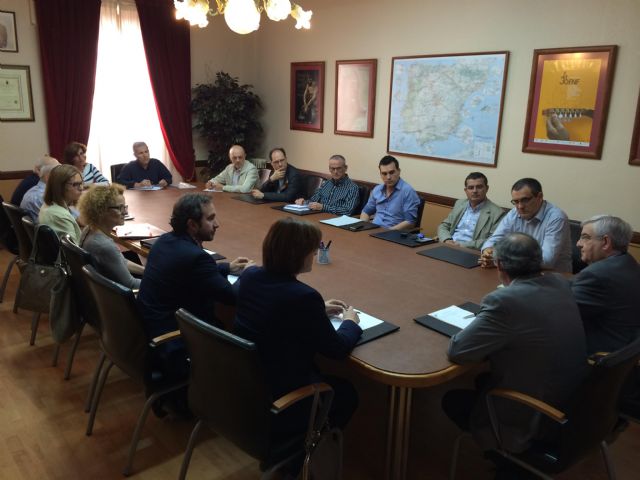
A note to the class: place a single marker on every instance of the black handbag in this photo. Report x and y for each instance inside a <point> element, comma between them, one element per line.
<point>36,283</point>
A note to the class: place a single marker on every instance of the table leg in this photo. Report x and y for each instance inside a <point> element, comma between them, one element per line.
<point>398,432</point>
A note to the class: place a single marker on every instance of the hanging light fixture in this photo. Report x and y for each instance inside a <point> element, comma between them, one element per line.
<point>242,16</point>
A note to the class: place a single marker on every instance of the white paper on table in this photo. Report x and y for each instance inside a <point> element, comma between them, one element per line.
<point>149,187</point>
<point>296,208</point>
<point>341,221</point>
<point>366,320</point>
<point>232,278</point>
<point>455,316</point>
<point>210,252</point>
<point>184,185</point>
<point>211,190</point>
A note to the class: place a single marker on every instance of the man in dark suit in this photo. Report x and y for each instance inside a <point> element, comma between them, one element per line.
<point>285,183</point>
<point>531,333</point>
<point>180,274</point>
<point>144,171</point>
<point>608,290</point>
<point>473,219</point>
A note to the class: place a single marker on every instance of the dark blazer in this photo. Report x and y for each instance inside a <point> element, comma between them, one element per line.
<point>293,187</point>
<point>180,274</point>
<point>531,333</point>
<point>287,320</point>
<point>132,173</point>
<point>608,295</point>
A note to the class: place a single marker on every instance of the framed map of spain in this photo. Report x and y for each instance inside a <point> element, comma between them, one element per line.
<point>448,107</point>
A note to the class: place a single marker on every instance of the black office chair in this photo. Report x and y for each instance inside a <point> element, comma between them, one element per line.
<point>576,261</point>
<point>588,419</point>
<point>229,393</point>
<point>124,343</point>
<point>311,184</point>
<point>263,176</point>
<point>7,235</point>
<point>419,215</point>
<point>25,244</point>
<point>363,197</point>
<point>29,226</point>
<point>115,171</point>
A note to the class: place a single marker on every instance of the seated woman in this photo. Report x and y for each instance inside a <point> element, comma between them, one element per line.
<point>288,320</point>
<point>102,208</point>
<point>63,190</point>
<point>75,154</point>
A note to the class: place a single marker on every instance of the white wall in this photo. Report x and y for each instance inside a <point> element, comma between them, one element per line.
<point>381,29</point>
<point>22,143</point>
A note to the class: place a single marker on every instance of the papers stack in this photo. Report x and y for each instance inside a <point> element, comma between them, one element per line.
<point>341,221</point>
<point>292,207</point>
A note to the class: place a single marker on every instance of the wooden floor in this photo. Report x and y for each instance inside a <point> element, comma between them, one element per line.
<point>42,424</point>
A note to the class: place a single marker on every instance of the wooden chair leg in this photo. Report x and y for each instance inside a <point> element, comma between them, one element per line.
<point>72,352</point>
<point>96,398</point>
<point>7,274</point>
<point>35,321</point>
<point>189,451</point>
<point>94,383</point>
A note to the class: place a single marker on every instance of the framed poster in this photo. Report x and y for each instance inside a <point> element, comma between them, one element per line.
<point>448,107</point>
<point>16,102</point>
<point>307,96</point>
<point>8,34</point>
<point>569,100</point>
<point>355,97</point>
<point>634,154</point>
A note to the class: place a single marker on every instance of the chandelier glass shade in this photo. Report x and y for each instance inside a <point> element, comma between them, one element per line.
<point>241,16</point>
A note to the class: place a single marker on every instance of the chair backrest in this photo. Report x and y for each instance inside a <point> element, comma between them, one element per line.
<point>363,197</point>
<point>576,262</point>
<point>311,184</point>
<point>15,214</point>
<point>121,333</point>
<point>46,245</point>
<point>76,258</point>
<point>29,226</point>
<point>263,176</point>
<point>227,388</point>
<point>7,235</point>
<point>115,171</point>
<point>419,215</point>
<point>592,411</point>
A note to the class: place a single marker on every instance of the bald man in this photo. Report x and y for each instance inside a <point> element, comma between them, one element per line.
<point>239,176</point>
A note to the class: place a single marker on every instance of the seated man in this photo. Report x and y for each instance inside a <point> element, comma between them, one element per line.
<point>531,333</point>
<point>34,198</point>
<point>608,290</point>
<point>533,215</point>
<point>339,195</point>
<point>144,171</point>
<point>180,274</point>
<point>473,219</point>
<point>239,176</point>
<point>285,183</point>
<point>394,203</point>
<point>28,182</point>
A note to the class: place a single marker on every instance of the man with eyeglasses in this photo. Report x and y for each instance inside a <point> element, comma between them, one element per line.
<point>473,219</point>
<point>608,289</point>
<point>284,184</point>
<point>533,215</point>
<point>339,194</point>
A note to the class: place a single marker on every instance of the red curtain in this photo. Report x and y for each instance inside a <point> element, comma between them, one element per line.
<point>167,47</point>
<point>68,33</point>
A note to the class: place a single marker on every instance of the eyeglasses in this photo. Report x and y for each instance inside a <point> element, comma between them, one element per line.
<point>76,184</point>
<point>123,208</point>
<point>523,201</point>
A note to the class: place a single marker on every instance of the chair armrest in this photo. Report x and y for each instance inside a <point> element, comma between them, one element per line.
<point>297,395</point>
<point>537,405</point>
<point>165,338</point>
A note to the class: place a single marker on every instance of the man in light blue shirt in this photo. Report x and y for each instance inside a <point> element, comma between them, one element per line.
<point>394,203</point>
<point>34,198</point>
<point>536,217</point>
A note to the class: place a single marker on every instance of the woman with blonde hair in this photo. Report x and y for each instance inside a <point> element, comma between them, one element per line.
<point>102,208</point>
<point>63,190</point>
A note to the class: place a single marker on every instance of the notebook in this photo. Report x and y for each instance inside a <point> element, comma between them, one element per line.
<point>137,231</point>
<point>451,320</point>
<point>452,255</point>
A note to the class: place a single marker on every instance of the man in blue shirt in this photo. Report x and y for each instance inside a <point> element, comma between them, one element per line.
<point>394,204</point>
<point>339,194</point>
<point>533,215</point>
<point>144,171</point>
<point>34,198</point>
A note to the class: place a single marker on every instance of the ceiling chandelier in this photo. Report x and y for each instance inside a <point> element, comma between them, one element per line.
<point>242,16</point>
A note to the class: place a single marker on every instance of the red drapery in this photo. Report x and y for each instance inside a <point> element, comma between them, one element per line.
<point>167,47</point>
<point>68,33</point>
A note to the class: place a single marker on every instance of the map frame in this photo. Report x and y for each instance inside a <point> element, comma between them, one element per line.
<point>437,59</point>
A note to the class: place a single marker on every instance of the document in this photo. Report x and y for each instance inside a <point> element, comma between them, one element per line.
<point>366,321</point>
<point>135,231</point>
<point>296,208</point>
<point>341,221</point>
<point>455,316</point>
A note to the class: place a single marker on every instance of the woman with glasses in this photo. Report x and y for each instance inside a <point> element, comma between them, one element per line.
<point>75,154</point>
<point>63,190</point>
<point>102,208</point>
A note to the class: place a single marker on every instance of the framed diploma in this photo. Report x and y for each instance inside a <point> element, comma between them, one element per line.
<point>16,102</point>
<point>569,100</point>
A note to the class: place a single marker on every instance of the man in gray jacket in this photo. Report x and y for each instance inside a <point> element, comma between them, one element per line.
<point>239,176</point>
<point>473,219</point>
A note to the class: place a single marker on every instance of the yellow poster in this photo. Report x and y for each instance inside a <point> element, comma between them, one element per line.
<point>567,100</point>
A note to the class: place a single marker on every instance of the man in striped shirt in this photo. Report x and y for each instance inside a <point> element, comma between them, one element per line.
<point>337,195</point>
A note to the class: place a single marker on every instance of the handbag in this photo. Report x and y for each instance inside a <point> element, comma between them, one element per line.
<point>64,319</point>
<point>323,460</point>
<point>36,284</point>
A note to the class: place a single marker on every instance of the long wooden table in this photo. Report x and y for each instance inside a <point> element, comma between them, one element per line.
<point>386,280</point>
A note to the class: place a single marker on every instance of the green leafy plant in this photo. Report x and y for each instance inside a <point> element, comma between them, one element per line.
<point>226,113</point>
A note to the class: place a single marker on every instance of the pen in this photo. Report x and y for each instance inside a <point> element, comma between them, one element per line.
<point>321,245</point>
<point>469,316</point>
<point>329,244</point>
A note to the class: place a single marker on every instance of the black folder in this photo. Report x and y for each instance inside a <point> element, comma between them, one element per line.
<point>403,238</point>
<point>360,226</point>
<point>247,197</point>
<point>378,331</point>
<point>443,327</point>
<point>305,212</point>
<point>452,255</point>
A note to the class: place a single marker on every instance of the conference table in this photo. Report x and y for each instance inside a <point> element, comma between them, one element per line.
<point>384,279</point>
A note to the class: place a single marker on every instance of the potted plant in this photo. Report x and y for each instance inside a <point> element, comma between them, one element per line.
<point>226,113</point>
